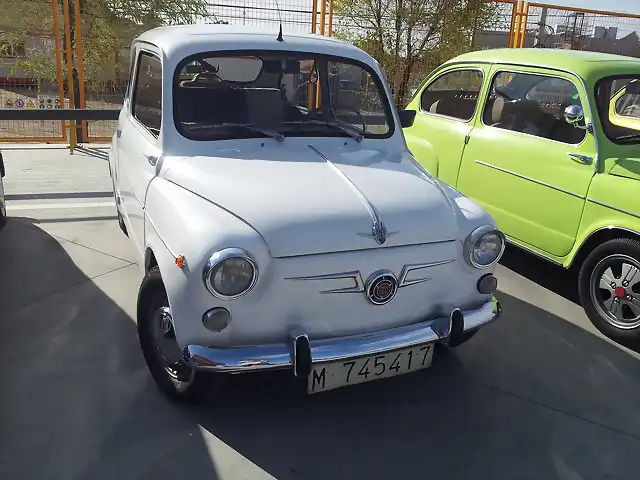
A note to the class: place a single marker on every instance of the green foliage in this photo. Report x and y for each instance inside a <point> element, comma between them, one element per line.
<point>108,27</point>
<point>411,37</point>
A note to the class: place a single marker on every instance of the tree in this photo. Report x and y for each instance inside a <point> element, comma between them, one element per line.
<point>410,37</point>
<point>108,27</point>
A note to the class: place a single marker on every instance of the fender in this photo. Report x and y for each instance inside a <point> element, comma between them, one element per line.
<point>179,223</point>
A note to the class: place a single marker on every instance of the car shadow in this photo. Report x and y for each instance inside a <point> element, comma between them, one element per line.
<point>530,396</point>
<point>76,400</point>
<point>552,277</point>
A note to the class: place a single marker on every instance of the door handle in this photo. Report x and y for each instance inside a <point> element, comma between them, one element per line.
<point>152,159</point>
<point>119,132</point>
<point>584,159</point>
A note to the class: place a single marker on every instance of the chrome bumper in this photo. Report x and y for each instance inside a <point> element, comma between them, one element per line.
<point>301,352</point>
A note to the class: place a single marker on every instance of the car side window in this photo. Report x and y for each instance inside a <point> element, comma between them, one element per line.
<point>533,104</point>
<point>147,93</point>
<point>453,94</point>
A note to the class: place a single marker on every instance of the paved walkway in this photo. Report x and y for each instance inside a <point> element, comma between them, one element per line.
<point>538,395</point>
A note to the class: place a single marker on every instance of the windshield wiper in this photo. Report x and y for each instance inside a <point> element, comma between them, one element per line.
<point>269,133</point>
<point>349,131</point>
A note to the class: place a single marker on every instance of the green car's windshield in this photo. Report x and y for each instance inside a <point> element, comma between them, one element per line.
<point>618,100</point>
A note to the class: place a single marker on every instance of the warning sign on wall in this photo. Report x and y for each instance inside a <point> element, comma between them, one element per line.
<point>8,103</point>
<point>30,104</point>
<point>19,103</point>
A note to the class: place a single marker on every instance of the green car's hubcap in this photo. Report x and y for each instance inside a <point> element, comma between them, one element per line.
<point>615,290</point>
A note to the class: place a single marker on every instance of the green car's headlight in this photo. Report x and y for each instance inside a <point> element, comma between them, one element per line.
<point>484,247</point>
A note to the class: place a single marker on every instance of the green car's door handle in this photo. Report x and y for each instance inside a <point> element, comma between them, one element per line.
<point>581,158</point>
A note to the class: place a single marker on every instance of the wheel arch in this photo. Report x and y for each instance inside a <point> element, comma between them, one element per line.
<point>598,237</point>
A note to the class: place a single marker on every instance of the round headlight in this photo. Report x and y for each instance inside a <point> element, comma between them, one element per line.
<point>484,247</point>
<point>230,273</point>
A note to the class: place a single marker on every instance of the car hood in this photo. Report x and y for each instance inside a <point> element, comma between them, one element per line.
<point>311,199</point>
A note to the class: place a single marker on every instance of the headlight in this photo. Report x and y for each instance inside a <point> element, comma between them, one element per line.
<point>230,273</point>
<point>484,247</point>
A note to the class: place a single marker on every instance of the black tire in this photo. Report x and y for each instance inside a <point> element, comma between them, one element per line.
<point>625,332</point>
<point>186,384</point>
<point>458,340</point>
<point>3,219</point>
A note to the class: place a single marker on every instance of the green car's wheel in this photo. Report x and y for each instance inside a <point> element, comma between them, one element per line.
<point>609,285</point>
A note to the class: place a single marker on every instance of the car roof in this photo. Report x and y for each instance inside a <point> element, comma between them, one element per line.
<point>212,37</point>
<point>582,63</point>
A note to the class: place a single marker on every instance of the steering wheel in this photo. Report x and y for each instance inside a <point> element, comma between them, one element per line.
<point>355,110</point>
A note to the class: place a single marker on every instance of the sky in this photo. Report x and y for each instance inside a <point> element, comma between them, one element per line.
<point>628,6</point>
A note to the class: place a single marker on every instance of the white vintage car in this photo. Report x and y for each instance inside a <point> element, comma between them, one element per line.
<point>280,219</point>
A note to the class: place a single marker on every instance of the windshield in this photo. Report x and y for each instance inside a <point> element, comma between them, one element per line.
<point>278,94</point>
<point>618,100</point>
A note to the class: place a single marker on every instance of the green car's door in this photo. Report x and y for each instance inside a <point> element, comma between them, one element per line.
<point>445,109</point>
<point>524,163</point>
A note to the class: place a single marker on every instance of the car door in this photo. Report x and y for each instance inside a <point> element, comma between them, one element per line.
<point>138,143</point>
<point>525,164</point>
<point>446,108</point>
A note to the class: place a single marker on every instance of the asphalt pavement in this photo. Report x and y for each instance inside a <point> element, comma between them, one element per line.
<point>539,394</point>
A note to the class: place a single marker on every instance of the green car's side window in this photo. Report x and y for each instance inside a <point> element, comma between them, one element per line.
<point>453,94</point>
<point>533,104</point>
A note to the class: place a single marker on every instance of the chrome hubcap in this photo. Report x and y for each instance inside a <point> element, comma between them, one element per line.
<point>167,349</point>
<point>615,289</point>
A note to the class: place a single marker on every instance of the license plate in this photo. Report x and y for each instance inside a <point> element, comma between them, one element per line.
<point>330,375</point>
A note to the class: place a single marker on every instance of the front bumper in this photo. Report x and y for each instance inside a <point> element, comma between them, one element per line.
<point>301,352</point>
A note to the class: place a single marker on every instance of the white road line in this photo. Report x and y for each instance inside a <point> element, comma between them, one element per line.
<point>60,206</point>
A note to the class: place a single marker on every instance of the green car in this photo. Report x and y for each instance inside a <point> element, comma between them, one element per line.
<point>548,142</point>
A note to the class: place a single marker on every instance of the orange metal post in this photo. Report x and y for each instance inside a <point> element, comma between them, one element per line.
<point>512,25</point>
<point>314,16</point>
<point>330,27</point>
<point>56,31</point>
<point>516,36</point>
<point>525,19</point>
<point>80,64</point>
<point>69,52</point>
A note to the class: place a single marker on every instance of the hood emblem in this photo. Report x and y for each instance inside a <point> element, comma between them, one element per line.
<point>379,232</point>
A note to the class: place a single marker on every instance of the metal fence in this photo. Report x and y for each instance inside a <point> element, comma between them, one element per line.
<point>551,26</point>
<point>21,87</point>
<point>514,24</point>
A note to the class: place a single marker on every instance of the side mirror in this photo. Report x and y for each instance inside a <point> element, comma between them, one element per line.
<point>407,117</point>
<point>573,115</point>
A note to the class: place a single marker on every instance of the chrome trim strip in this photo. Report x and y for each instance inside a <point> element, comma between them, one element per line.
<point>373,211</point>
<point>173,254</point>
<point>606,205</point>
<point>532,252</point>
<point>407,269</point>
<point>531,179</point>
<point>355,276</point>
<point>277,356</point>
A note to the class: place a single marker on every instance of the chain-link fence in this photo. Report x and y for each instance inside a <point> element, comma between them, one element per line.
<point>552,26</point>
<point>28,34</point>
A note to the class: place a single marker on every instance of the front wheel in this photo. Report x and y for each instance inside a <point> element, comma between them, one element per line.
<point>609,286</point>
<point>175,378</point>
